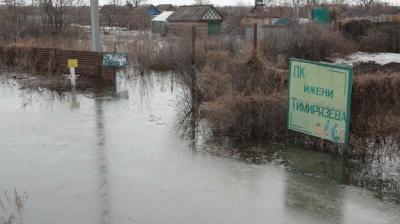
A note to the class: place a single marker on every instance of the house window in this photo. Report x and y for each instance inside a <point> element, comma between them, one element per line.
<point>214,28</point>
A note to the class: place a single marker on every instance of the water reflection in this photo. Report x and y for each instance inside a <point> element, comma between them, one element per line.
<point>316,163</point>
<point>131,81</point>
<point>172,81</point>
<point>378,170</point>
<point>103,163</point>
<point>318,199</point>
<point>308,191</point>
<point>74,103</point>
<point>182,181</point>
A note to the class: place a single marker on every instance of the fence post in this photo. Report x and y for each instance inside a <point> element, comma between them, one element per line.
<point>72,75</point>
<point>255,37</point>
<point>53,66</point>
<point>172,70</point>
<point>100,72</point>
<point>193,95</point>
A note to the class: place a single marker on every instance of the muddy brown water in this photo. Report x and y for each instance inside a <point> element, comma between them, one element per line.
<point>124,157</point>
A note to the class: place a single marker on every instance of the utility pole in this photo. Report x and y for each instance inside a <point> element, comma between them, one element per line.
<point>94,24</point>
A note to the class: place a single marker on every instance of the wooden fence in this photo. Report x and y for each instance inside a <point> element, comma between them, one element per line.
<point>89,63</point>
<point>56,60</point>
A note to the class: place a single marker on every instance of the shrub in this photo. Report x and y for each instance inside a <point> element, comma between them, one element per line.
<point>213,84</point>
<point>19,58</point>
<point>246,117</point>
<point>311,42</point>
<point>381,40</point>
<point>247,99</point>
<point>374,106</point>
<point>355,29</point>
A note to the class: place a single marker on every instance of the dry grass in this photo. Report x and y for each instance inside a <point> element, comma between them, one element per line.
<point>148,53</point>
<point>246,99</point>
<point>247,117</point>
<point>13,207</point>
<point>16,57</point>
<point>311,42</point>
<point>375,106</point>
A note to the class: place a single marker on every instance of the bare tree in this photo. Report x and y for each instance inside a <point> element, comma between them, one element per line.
<point>368,3</point>
<point>338,2</point>
<point>378,9</point>
<point>296,7</point>
<point>136,3</point>
<point>202,2</point>
<point>311,4</point>
<point>56,14</point>
<point>115,2</point>
<point>15,20</point>
<point>234,17</point>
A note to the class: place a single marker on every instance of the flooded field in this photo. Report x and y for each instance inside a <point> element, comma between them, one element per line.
<point>124,156</point>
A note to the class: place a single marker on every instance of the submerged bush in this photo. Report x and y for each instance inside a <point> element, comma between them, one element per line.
<point>246,117</point>
<point>248,100</point>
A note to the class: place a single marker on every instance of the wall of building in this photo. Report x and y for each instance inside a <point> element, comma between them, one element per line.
<point>181,28</point>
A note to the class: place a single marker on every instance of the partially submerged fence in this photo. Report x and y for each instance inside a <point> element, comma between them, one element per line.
<point>56,60</point>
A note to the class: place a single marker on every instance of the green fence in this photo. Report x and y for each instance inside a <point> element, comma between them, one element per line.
<point>321,16</point>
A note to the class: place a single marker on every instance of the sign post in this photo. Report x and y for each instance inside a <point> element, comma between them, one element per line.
<point>319,97</point>
<point>72,64</point>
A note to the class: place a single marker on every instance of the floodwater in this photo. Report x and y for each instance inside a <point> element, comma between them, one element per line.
<point>123,156</point>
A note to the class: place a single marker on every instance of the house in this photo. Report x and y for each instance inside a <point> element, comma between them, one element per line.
<point>83,15</point>
<point>146,10</point>
<point>114,16</point>
<point>395,17</point>
<point>353,13</point>
<point>165,7</point>
<point>266,15</point>
<point>160,24</point>
<point>206,19</point>
<point>142,15</point>
<point>256,15</point>
<point>106,14</point>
